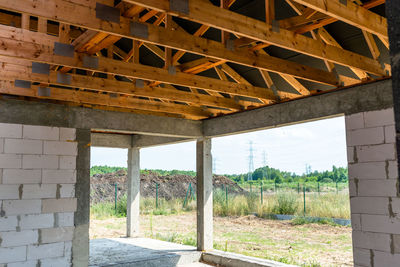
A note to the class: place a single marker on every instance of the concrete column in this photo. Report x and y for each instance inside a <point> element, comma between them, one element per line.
<point>80,243</point>
<point>133,202</point>
<point>204,195</point>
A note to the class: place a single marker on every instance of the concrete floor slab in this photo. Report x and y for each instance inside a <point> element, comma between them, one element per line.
<point>140,252</point>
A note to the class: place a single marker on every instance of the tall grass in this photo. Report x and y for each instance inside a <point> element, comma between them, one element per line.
<point>147,206</point>
<point>329,205</point>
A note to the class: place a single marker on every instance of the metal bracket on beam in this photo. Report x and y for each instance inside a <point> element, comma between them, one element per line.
<point>63,78</point>
<point>107,13</point>
<point>138,29</point>
<point>275,26</point>
<point>343,2</point>
<point>139,83</point>
<point>340,82</point>
<point>382,62</point>
<point>62,49</point>
<point>22,84</point>
<point>230,45</point>
<point>40,68</point>
<point>181,6</point>
<point>90,62</point>
<point>44,91</point>
<point>172,70</point>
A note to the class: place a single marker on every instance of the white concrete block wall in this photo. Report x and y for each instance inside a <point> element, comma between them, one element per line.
<point>374,188</point>
<point>37,195</point>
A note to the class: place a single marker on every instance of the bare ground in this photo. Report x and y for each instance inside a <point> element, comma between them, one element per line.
<point>310,244</point>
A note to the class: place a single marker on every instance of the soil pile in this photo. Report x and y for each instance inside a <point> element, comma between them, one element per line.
<point>169,186</point>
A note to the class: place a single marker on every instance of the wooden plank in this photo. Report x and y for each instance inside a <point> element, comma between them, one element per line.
<point>327,38</point>
<point>25,20</point>
<point>187,42</point>
<point>324,22</point>
<point>204,12</point>
<point>44,53</point>
<point>350,13</point>
<point>269,11</point>
<point>12,72</point>
<point>7,87</point>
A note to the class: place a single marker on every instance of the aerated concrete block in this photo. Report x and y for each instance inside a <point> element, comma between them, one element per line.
<point>40,132</point>
<point>10,130</point>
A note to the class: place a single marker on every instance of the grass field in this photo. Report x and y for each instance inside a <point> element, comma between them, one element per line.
<point>329,205</point>
<point>237,230</point>
<point>276,240</point>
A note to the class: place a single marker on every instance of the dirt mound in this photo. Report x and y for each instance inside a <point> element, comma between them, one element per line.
<point>169,186</point>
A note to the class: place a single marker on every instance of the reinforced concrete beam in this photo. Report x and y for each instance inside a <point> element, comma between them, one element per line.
<point>371,96</point>
<point>48,114</point>
<point>135,140</point>
<point>111,140</point>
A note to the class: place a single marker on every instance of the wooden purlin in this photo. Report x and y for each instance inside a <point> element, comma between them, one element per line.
<point>204,12</point>
<point>7,87</point>
<point>187,42</point>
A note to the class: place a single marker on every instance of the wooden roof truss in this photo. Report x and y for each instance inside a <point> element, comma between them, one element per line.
<point>76,46</point>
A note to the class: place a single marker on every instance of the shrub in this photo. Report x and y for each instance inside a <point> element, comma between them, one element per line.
<point>286,203</point>
<point>327,180</point>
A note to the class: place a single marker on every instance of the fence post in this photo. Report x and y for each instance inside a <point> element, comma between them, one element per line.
<point>298,188</point>
<point>262,200</point>
<point>304,200</point>
<point>318,189</point>
<point>226,194</point>
<point>115,197</point>
<point>188,191</point>
<point>250,188</point>
<point>337,190</point>
<point>156,195</point>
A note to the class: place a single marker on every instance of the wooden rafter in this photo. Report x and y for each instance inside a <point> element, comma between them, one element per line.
<point>23,72</point>
<point>204,12</point>
<point>184,41</point>
<point>44,53</point>
<point>7,87</point>
<point>350,13</point>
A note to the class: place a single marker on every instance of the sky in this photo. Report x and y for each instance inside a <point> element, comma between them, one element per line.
<point>319,144</point>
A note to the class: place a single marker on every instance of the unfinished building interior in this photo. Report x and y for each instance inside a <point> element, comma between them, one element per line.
<point>139,73</point>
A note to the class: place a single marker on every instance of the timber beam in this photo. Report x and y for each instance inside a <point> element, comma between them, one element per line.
<point>41,50</point>
<point>202,11</point>
<point>55,10</point>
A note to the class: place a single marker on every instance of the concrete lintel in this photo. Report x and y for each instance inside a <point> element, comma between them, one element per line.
<point>366,97</point>
<point>136,140</point>
<point>111,140</point>
<point>48,114</point>
<point>143,141</point>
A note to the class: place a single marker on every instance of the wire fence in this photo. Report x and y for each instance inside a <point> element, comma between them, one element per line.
<point>114,192</point>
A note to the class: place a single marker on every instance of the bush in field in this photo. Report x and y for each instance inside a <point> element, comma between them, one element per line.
<point>286,203</point>
<point>327,180</point>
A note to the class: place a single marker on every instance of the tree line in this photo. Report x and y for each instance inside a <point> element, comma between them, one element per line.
<point>266,173</point>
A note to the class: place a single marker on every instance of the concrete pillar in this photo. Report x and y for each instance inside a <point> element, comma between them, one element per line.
<point>80,242</point>
<point>204,195</point>
<point>133,202</point>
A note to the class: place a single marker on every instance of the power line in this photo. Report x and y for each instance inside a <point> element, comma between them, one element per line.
<point>251,162</point>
